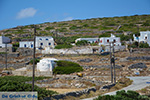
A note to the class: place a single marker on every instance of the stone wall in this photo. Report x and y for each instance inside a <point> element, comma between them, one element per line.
<point>15,65</point>
<point>29,73</point>
<point>25,51</point>
<point>74,94</point>
<point>86,50</point>
<point>9,49</point>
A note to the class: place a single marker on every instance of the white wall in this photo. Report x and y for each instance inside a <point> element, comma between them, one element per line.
<point>105,41</point>
<point>29,44</point>
<point>44,42</point>
<point>4,40</point>
<point>41,42</point>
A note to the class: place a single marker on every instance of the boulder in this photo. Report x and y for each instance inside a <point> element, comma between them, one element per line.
<point>85,60</point>
<point>138,65</point>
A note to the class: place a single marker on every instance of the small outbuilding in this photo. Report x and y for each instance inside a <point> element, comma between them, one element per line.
<point>46,64</point>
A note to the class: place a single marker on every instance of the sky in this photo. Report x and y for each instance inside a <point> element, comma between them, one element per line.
<point>25,12</point>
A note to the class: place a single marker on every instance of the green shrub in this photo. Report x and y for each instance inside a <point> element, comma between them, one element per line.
<point>16,44</point>
<point>82,43</point>
<point>61,46</point>
<point>36,61</point>
<point>104,35</point>
<point>143,45</point>
<point>17,83</point>
<point>67,67</point>
<point>123,95</point>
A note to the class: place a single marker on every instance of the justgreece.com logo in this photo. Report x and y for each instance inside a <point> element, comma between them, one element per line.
<point>18,96</point>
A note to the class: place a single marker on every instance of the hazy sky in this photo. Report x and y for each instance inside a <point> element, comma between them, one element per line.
<point>24,12</point>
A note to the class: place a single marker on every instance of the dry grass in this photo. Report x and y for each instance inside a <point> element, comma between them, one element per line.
<point>144,91</point>
<point>61,91</point>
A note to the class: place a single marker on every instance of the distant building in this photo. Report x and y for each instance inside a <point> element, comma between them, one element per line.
<point>41,42</point>
<point>26,44</point>
<point>106,40</point>
<point>46,64</point>
<point>5,40</point>
<point>144,37</point>
<point>91,40</point>
<point>103,40</point>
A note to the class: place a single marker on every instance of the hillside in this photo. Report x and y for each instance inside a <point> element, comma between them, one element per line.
<point>89,27</point>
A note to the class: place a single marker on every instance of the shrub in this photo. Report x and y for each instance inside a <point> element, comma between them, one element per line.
<point>60,46</point>
<point>36,61</point>
<point>123,95</point>
<point>104,35</point>
<point>17,83</point>
<point>82,43</point>
<point>143,45</point>
<point>67,67</point>
<point>16,44</point>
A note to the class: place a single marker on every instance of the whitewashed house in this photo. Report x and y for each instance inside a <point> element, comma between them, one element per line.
<point>41,42</point>
<point>91,40</point>
<point>46,64</point>
<point>45,41</point>
<point>106,40</point>
<point>26,44</point>
<point>5,40</point>
<point>144,37</point>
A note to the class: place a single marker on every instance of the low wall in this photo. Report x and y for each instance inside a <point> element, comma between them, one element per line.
<point>74,94</point>
<point>29,73</point>
<point>15,66</point>
<point>86,50</point>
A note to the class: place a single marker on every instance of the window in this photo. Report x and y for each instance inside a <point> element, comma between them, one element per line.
<point>46,39</point>
<point>41,43</point>
<point>114,40</point>
<point>25,45</point>
<point>49,43</point>
<point>31,45</point>
<point>108,40</point>
<point>40,39</point>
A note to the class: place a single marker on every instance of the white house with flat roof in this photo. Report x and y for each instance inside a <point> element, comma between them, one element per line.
<point>106,40</point>
<point>5,40</point>
<point>46,64</point>
<point>91,40</point>
<point>144,37</point>
<point>103,40</point>
<point>41,42</point>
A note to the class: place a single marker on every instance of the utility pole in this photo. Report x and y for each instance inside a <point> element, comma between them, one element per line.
<point>111,72</point>
<point>113,61</point>
<point>6,55</point>
<point>33,59</point>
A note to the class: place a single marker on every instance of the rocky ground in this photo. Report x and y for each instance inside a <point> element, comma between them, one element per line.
<point>136,63</point>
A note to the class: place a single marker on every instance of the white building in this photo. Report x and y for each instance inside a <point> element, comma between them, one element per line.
<point>106,40</point>
<point>144,37</point>
<point>41,42</point>
<point>91,40</point>
<point>26,44</point>
<point>3,41</point>
<point>46,64</point>
<point>103,40</point>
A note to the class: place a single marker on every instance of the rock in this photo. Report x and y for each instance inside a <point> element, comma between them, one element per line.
<point>85,60</point>
<point>139,58</point>
<point>137,65</point>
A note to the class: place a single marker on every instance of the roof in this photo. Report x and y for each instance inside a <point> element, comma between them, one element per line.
<point>44,37</point>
